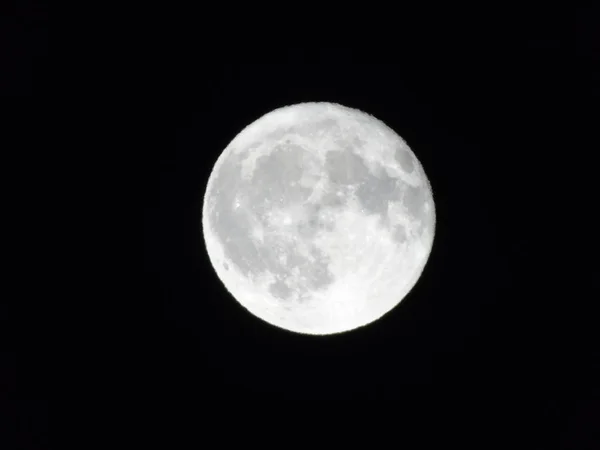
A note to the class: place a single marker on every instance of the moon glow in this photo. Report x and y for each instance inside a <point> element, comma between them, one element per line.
<point>318,218</point>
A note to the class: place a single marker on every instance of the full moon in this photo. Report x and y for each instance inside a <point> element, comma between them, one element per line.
<point>318,218</point>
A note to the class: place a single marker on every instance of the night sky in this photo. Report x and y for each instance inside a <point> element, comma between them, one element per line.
<point>488,348</point>
<point>476,349</point>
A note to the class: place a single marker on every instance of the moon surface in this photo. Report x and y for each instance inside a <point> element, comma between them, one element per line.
<point>318,218</point>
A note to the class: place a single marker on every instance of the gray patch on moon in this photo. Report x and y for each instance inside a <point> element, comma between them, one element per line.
<point>345,167</point>
<point>414,201</point>
<point>306,275</point>
<point>313,222</point>
<point>279,174</point>
<point>374,192</point>
<point>399,234</point>
<point>403,156</point>
<point>279,289</point>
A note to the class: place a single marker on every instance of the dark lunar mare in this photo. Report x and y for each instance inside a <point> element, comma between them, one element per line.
<point>375,191</point>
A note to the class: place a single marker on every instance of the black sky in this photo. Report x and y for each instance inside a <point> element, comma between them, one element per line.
<point>488,348</point>
<point>479,343</point>
<point>483,344</point>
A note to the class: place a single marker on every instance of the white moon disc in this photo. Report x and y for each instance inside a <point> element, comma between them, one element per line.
<point>318,218</point>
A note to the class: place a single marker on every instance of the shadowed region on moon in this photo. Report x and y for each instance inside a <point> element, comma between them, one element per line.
<point>404,158</point>
<point>282,202</point>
